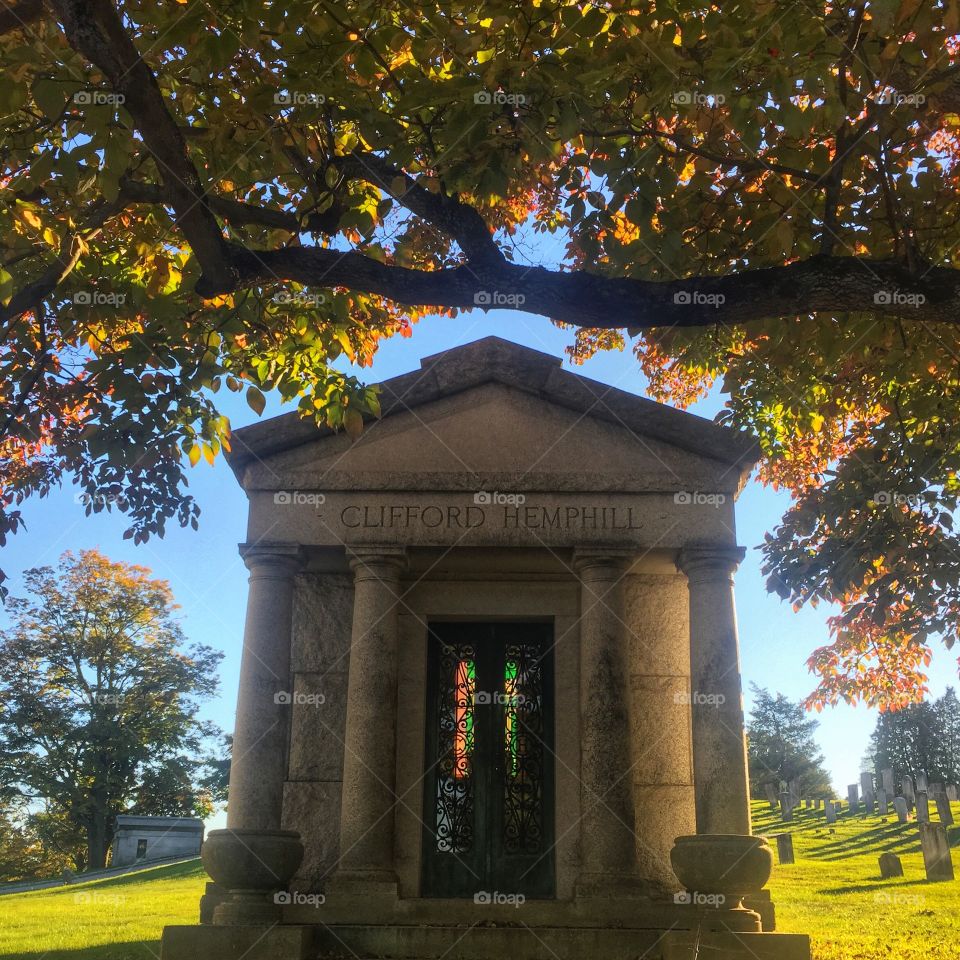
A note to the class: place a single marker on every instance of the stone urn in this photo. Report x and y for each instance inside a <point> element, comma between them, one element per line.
<point>255,868</point>
<point>720,869</point>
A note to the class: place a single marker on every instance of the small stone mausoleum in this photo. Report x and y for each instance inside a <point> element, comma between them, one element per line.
<point>142,839</point>
<point>490,676</point>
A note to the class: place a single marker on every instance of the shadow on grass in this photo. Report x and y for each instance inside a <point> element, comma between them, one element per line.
<point>138,950</point>
<point>885,885</point>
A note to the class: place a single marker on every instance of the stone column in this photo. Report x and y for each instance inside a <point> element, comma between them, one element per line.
<point>253,857</point>
<point>720,779</point>
<point>369,757</point>
<point>261,732</point>
<point>607,826</point>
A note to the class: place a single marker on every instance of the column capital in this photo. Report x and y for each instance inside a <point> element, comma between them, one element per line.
<point>710,562</point>
<point>376,561</point>
<point>601,563</point>
<point>267,558</point>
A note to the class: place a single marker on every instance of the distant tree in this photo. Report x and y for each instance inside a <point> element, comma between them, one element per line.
<point>923,738</point>
<point>100,697</point>
<point>781,745</point>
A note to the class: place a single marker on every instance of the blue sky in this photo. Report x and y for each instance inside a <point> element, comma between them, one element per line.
<point>209,580</point>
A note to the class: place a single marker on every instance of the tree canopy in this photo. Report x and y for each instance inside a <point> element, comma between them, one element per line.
<point>759,195</point>
<point>922,738</point>
<point>781,746</point>
<point>100,695</point>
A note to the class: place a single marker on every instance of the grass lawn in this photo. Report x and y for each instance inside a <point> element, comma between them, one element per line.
<point>118,919</point>
<point>833,892</point>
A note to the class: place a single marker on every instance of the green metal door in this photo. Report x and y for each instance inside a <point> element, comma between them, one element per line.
<point>489,803</point>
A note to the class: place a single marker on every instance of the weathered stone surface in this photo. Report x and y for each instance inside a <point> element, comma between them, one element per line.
<point>923,806</point>
<point>853,792</point>
<point>890,866</point>
<point>944,813</point>
<point>314,810</point>
<point>786,807</point>
<point>900,805</point>
<point>318,726</point>
<point>908,792</point>
<point>886,778</point>
<point>936,851</point>
<point>952,792</point>
<point>322,613</point>
<point>883,802</point>
<point>830,811</point>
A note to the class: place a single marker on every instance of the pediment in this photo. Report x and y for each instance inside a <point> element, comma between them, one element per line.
<point>492,436</point>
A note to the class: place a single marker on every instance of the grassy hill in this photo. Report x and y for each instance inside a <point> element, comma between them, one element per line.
<point>833,892</point>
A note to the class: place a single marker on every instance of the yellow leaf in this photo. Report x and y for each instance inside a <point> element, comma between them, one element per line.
<point>194,455</point>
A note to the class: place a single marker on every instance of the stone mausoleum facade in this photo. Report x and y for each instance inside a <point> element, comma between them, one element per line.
<point>490,676</point>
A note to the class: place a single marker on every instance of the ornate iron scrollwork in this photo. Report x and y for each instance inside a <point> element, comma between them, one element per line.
<point>455,772</point>
<point>523,759</point>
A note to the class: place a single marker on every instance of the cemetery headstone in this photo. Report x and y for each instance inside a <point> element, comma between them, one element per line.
<point>922,783</point>
<point>908,793</point>
<point>770,791</point>
<point>829,811</point>
<point>900,805</point>
<point>890,866</point>
<point>936,851</point>
<point>794,788</point>
<point>883,802</point>
<point>886,778</point>
<point>852,796</point>
<point>866,788</point>
<point>944,813</point>
<point>785,847</point>
<point>923,806</point>
<point>786,808</point>
<point>952,792</point>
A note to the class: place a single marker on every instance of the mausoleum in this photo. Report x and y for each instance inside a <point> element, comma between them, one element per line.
<point>490,676</point>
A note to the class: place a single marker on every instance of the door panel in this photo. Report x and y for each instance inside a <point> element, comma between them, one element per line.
<point>488,798</point>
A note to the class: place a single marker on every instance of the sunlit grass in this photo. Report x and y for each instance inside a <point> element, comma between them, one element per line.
<point>833,892</point>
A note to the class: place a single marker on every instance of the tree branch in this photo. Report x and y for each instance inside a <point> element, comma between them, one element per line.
<point>817,285</point>
<point>94,29</point>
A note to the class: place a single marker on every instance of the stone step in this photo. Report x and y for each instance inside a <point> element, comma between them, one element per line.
<point>521,942</point>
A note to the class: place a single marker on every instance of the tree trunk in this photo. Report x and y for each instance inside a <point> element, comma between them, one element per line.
<point>98,838</point>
